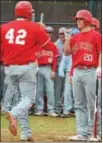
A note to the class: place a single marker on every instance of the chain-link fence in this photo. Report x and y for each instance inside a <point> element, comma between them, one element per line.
<point>99,12</point>
<point>56,13</point>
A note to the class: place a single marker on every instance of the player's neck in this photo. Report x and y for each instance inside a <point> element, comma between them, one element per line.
<point>20,18</point>
<point>85,29</point>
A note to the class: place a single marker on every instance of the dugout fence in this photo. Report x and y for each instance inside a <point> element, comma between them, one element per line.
<point>56,13</point>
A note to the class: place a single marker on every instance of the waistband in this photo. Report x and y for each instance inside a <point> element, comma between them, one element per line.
<point>24,64</point>
<point>44,65</point>
<point>83,67</point>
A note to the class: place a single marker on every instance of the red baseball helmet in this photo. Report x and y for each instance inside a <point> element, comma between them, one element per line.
<point>85,14</point>
<point>24,9</point>
<point>95,22</point>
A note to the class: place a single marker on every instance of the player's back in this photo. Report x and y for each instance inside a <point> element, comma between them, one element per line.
<point>18,42</point>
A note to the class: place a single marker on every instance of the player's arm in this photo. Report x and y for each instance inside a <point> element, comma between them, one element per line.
<point>55,59</point>
<point>99,47</point>
<point>43,39</point>
<point>67,44</point>
<point>54,66</point>
<point>99,62</point>
<point>1,50</point>
<point>67,49</point>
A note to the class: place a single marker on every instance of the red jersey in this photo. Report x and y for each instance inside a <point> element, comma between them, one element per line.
<point>46,57</point>
<point>85,48</point>
<point>19,39</point>
<point>71,71</point>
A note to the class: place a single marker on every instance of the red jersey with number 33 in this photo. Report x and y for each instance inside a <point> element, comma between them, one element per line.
<point>85,48</point>
<point>19,39</point>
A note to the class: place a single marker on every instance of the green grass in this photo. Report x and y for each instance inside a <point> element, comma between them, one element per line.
<point>47,124</point>
<point>43,129</point>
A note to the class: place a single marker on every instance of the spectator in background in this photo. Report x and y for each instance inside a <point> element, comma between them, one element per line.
<point>64,71</point>
<point>49,31</point>
<point>59,81</point>
<point>95,24</point>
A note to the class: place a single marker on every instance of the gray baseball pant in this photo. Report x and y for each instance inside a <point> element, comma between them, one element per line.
<point>84,87</point>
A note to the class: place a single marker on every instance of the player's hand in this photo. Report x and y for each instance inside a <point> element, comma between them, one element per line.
<point>52,76</point>
<point>37,70</point>
<point>36,66</point>
<point>98,72</point>
<point>70,79</point>
<point>68,33</point>
<point>41,25</point>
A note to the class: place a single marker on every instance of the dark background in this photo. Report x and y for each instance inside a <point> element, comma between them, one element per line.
<point>56,13</point>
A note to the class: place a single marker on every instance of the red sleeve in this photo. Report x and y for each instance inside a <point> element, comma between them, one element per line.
<point>44,40</point>
<point>54,64</point>
<point>41,36</point>
<point>54,49</point>
<point>1,58</point>
<point>1,54</point>
<point>99,42</point>
<point>50,46</point>
<point>72,41</point>
<point>71,71</point>
<point>55,56</point>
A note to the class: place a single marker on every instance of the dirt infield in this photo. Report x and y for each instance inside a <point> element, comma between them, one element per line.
<point>53,137</point>
<point>48,137</point>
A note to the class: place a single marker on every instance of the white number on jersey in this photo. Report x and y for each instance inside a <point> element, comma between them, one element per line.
<point>21,34</point>
<point>88,57</point>
<point>10,36</point>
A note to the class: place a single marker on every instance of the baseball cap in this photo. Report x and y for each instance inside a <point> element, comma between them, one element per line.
<point>62,29</point>
<point>49,29</point>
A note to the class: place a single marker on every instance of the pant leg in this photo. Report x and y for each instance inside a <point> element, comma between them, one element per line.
<point>7,102</point>
<point>68,97</point>
<point>39,91</point>
<point>2,75</point>
<point>100,108</point>
<point>26,79</point>
<point>80,103</point>
<point>17,97</point>
<point>49,84</point>
<point>90,88</point>
<point>10,94</point>
<point>58,89</point>
<point>25,130</point>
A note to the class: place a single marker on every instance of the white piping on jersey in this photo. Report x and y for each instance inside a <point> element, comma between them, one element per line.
<point>45,43</point>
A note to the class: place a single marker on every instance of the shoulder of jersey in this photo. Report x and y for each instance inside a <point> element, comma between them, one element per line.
<point>96,32</point>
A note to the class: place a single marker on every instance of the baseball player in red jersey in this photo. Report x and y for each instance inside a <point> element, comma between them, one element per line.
<point>47,61</point>
<point>95,25</point>
<point>18,41</point>
<point>85,48</point>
